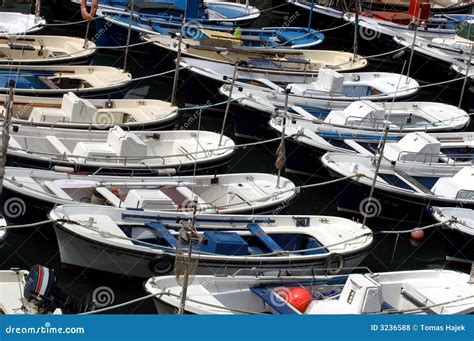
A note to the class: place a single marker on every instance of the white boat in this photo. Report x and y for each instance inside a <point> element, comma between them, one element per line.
<point>14,24</point>
<point>3,230</point>
<point>330,90</point>
<point>273,61</point>
<point>145,243</point>
<point>36,50</point>
<point>90,80</point>
<point>400,117</point>
<point>451,50</point>
<point>404,188</point>
<point>38,191</point>
<point>74,112</point>
<point>438,292</point>
<point>444,49</point>
<point>118,152</point>
<point>458,229</point>
<point>307,142</point>
<point>456,218</point>
<point>223,72</point>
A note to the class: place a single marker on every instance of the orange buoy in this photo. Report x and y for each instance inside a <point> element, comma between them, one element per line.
<point>298,297</point>
<point>89,15</point>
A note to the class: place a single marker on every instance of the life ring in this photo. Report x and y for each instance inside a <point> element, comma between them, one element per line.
<point>161,265</point>
<point>89,15</point>
<point>330,260</point>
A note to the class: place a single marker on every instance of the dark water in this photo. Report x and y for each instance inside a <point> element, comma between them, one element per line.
<point>24,248</point>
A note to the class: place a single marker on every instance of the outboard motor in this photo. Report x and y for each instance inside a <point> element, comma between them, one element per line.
<point>41,289</point>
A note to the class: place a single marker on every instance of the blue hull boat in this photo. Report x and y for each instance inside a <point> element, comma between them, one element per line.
<point>267,37</point>
<point>86,81</point>
<point>221,13</point>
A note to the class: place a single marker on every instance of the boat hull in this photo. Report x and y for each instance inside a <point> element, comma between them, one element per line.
<point>204,167</point>
<point>86,253</point>
<point>353,197</point>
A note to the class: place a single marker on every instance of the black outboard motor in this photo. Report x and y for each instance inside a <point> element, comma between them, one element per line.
<point>41,289</point>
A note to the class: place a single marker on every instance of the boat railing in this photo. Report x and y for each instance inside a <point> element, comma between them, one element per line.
<point>434,158</point>
<point>194,155</point>
<point>300,272</point>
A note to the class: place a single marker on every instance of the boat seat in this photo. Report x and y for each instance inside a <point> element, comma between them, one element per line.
<point>21,47</point>
<point>125,143</point>
<point>58,145</point>
<point>264,238</point>
<point>272,299</point>
<point>417,296</point>
<point>49,83</point>
<point>190,195</point>
<point>163,233</point>
<point>109,196</point>
<point>14,144</point>
<point>357,147</point>
<point>58,191</point>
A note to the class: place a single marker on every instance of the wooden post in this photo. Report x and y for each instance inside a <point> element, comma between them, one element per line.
<point>413,46</point>
<point>129,34</point>
<point>178,60</point>
<point>6,138</point>
<point>227,108</point>
<point>281,147</point>
<point>468,67</point>
<point>184,292</point>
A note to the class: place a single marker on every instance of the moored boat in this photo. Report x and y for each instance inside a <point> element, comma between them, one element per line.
<point>74,112</point>
<point>13,24</point>
<point>36,192</point>
<point>119,152</point>
<point>34,50</point>
<point>146,243</point>
<point>458,228</point>
<point>89,81</point>
<point>404,189</point>
<point>399,292</point>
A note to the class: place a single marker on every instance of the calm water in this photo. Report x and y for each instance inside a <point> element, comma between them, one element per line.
<point>22,249</point>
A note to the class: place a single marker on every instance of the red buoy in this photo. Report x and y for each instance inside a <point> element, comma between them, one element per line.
<point>298,297</point>
<point>418,234</point>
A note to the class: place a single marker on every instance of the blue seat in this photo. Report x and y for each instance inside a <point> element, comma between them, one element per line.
<point>273,300</point>
<point>163,233</point>
<point>264,238</point>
